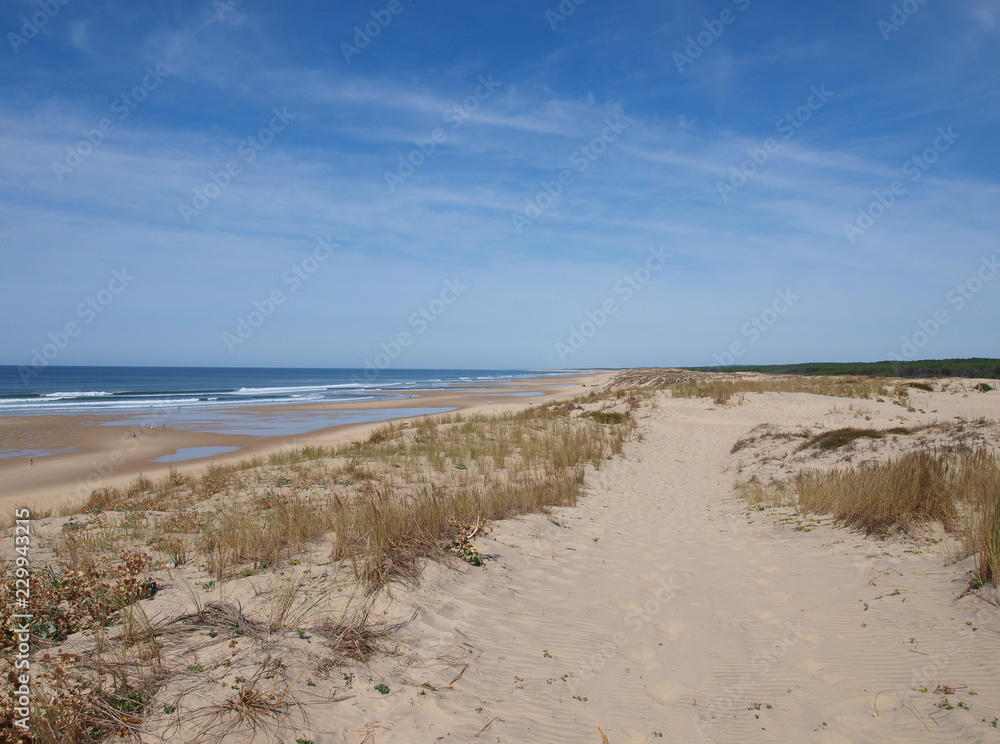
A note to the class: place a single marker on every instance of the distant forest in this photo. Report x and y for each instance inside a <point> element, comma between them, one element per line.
<point>974,367</point>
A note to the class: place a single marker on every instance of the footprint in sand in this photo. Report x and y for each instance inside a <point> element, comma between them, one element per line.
<point>671,629</point>
<point>625,606</point>
<point>812,667</point>
<point>664,692</point>
<point>641,655</point>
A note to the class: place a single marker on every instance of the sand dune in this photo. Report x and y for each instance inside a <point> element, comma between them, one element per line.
<point>660,609</point>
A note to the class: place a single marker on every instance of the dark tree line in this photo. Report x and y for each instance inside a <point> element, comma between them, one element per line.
<point>973,367</point>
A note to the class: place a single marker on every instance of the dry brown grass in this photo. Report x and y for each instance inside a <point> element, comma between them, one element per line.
<point>959,489</point>
<point>919,486</point>
<point>837,438</point>
<point>773,493</point>
<point>882,497</point>
<point>102,694</point>
<point>250,712</point>
<point>723,389</point>
<point>404,495</point>
<point>355,636</point>
<point>726,387</point>
<point>980,487</point>
<point>221,616</point>
<point>386,536</point>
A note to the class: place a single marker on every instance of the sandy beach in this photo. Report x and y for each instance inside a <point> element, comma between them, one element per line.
<point>660,608</point>
<point>110,450</point>
<point>320,413</point>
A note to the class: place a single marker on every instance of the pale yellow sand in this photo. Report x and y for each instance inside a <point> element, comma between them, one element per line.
<point>659,609</point>
<point>662,608</point>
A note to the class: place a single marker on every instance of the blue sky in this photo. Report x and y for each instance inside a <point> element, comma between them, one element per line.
<point>498,185</point>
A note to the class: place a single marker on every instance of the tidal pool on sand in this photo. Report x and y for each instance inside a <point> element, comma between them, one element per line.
<point>261,422</point>
<point>32,453</point>
<point>193,453</point>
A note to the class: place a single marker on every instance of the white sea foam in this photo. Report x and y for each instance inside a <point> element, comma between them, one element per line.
<point>295,389</point>
<point>86,394</point>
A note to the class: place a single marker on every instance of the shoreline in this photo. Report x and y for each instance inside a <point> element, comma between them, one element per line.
<point>112,449</point>
<point>656,596</point>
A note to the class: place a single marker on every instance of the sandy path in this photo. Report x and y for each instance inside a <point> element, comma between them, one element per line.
<point>662,608</point>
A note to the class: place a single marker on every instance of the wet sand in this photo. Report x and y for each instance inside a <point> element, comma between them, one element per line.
<point>111,450</point>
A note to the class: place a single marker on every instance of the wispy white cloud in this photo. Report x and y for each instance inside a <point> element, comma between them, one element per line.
<point>656,184</point>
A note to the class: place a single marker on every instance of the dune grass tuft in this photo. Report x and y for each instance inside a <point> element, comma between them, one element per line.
<point>961,490</point>
<point>880,498</point>
<point>355,636</point>
<point>838,438</point>
<point>979,485</point>
<point>603,417</point>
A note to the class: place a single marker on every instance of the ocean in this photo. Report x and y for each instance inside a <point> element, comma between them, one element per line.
<point>145,390</point>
